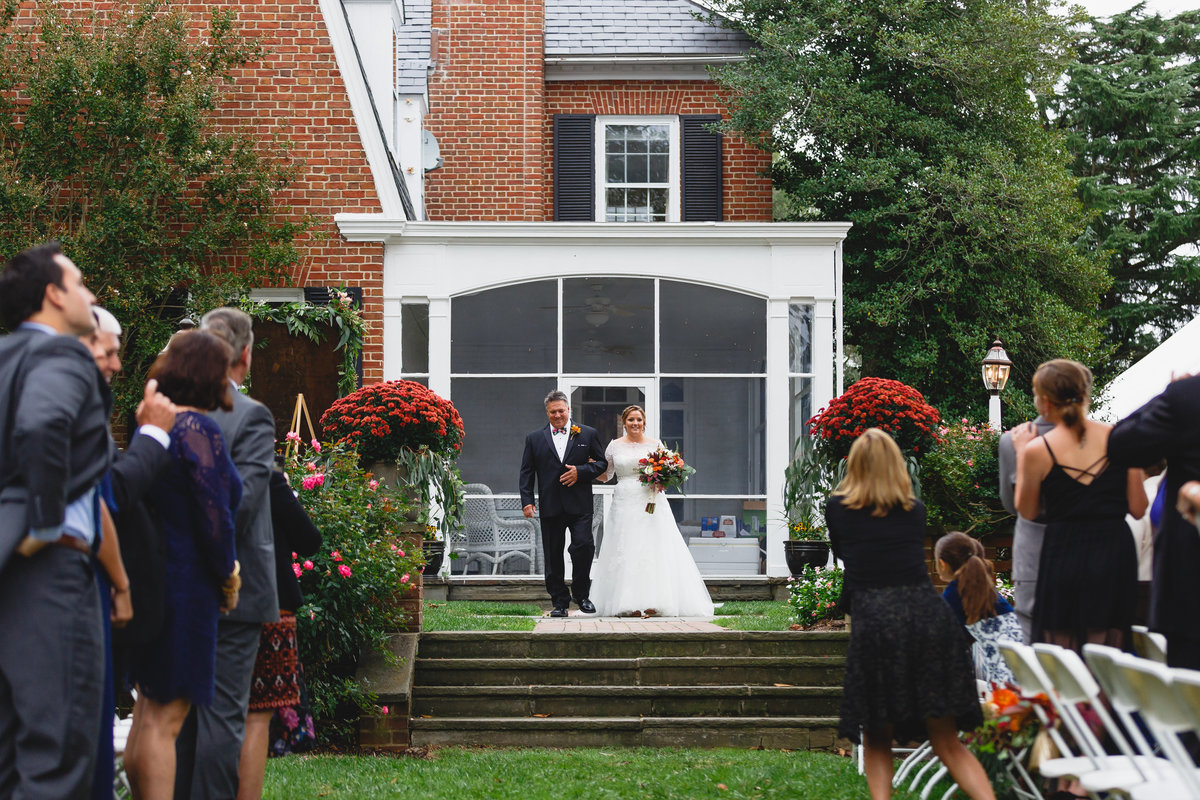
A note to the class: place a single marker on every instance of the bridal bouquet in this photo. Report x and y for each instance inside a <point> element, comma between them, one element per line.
<point>661,470</point>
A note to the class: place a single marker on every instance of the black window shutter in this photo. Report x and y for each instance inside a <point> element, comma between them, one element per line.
<point>701,168</point>
<point>574,168</point>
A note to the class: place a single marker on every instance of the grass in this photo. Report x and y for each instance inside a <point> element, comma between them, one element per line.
<point>754,615</point>
<point>470,615</point>
<point>587,774</point>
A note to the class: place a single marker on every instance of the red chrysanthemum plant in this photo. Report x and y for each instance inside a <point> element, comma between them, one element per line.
<point>890,405</point>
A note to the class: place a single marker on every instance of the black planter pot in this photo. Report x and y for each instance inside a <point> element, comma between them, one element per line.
<point>434,553</point>
<point>799,554</point>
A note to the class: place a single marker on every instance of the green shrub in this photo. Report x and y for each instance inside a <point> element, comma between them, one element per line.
<point>815,595</point>
<point>353,586</point>
<point>959,481</point>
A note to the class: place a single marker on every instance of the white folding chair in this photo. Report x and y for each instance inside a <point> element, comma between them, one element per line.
<point>1149,644</point>
<point>1167,717</point>
<point>1075,685</point>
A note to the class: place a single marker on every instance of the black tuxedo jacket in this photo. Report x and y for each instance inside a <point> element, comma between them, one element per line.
<point>143,548</point>
<point>1168,427</point>
<point>540,464</point>
<point>54,439</point>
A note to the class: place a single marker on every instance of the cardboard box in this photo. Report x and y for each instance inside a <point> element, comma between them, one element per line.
<point>754,518</point>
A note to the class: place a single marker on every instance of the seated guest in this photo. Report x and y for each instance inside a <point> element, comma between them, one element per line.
<point>971,593</point>
<point>195,500</point>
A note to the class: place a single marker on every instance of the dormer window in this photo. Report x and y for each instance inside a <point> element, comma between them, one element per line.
<point>637,162</point>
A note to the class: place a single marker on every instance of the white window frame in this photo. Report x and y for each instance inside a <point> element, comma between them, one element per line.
<point>674,187</point>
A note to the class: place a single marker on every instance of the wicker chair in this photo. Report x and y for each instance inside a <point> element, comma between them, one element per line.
<point>491,538</point>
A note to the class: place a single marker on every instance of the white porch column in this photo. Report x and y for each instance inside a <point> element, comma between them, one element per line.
<point>778,429</point>
<point>439,345</point>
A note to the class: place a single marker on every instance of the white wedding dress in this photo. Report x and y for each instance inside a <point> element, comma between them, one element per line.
<point>644,563</point>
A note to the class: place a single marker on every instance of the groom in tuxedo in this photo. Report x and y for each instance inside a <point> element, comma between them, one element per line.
<point>563,458</point>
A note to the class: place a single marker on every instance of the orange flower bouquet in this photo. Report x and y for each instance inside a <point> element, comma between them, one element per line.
<point>661,470</point>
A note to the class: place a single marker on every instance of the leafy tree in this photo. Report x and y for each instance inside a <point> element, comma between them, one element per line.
<point>110,142</point>
<point>1131,112</point>
<point>915,120</point>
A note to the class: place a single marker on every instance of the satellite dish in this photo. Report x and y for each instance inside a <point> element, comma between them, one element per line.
<point>431,154</point>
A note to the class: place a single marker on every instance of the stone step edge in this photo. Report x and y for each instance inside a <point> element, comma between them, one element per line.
<point>557,690</point>
<point>617,723</point>
<point>635,662</point>
<point>622,636</point>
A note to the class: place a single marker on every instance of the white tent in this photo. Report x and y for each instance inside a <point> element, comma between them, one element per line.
<point>1128,391</point>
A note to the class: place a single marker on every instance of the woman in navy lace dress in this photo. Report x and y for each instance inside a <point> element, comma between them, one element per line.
<point>908,668</point>
<point>195,502</point>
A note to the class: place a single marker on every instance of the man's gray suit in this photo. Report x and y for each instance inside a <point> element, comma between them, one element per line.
<point>1027,534</point>
<point>209,769</point>
<point>54,447</point>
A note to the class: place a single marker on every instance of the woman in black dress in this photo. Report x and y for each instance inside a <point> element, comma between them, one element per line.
<point>1087,575</point>
<point>909,673</point>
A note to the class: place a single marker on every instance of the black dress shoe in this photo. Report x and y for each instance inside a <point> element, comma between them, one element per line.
<point>586,606</point>
<point>558,612</point>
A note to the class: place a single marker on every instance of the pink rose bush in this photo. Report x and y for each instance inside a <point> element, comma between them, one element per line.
<point>351,585</point>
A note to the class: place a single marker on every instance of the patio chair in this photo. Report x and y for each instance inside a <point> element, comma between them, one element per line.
<point>491,538</point>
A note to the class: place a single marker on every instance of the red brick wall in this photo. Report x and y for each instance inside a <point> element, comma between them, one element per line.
<point>486,97</point>
<point>747,193</point>
<point>296,92</point>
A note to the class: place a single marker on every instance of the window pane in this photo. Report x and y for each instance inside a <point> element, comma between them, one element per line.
<point>497,413</point>
<point>510,329</point>
<point>660,142</point>
<point>660,167</point>
<point>740,552</point>
<point>800,318</point>
<point>636,140</point>
<point>608,325</point>
<point>802,411</point>
<point>414,334</point>
<point>723,434</point>
<point>658,204</point>
<point>711,330</point>
<point>638,170</point>
<point>616,169</point>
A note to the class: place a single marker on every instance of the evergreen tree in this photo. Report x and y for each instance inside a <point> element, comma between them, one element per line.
<point>1131,110</point>
<point>914,120</point>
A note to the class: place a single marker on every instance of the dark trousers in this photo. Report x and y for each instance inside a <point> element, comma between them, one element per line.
<point>51,675</point>
<point>209,746</point>
<point>582,550</point>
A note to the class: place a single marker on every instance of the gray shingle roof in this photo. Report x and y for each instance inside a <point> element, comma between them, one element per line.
<point>635,27</point>
<point>412,48</point>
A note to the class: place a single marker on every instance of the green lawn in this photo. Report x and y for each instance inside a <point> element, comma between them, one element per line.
<point>754,615</point>
<point>587,774</point>
<point>469,615</point>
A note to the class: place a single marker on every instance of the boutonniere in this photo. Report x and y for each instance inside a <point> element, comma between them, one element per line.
<point>574,430</point>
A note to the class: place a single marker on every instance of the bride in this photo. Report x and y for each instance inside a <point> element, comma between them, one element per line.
<point>644,567</point>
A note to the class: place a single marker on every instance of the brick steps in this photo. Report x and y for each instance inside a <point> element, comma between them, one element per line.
<point>718,689</point>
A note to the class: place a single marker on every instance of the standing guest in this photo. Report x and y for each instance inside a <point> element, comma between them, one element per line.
<point>1087,578</point>
<point>132,474</point>
<point>195,499</point>
<point>276,681</point>
<point>1169,427</point>
<point>211,742</point>
<point>972,596</point>
<point>908,669</point>
<point>54,449</point>
<point>1027,533</point>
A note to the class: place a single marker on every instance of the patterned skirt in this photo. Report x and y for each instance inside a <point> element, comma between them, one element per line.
<point>909,661</point>
<point>276,683</point>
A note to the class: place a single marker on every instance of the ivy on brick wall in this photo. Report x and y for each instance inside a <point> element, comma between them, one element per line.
<point>113,140</point>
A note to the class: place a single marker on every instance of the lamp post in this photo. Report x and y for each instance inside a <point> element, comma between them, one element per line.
<point>996,366</point>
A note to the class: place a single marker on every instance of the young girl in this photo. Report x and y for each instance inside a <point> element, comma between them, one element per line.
<point>973,598</point>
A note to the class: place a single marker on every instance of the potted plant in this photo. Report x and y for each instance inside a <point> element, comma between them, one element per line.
<point>807,482</point>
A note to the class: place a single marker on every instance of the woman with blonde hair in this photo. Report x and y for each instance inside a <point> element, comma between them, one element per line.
<point>1087,575</point>
<point>909,673</point>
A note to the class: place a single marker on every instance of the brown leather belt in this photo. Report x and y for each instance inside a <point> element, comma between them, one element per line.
<point>73,543</point>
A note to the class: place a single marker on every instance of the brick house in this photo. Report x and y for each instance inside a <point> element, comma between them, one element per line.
<point>530,194</point>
